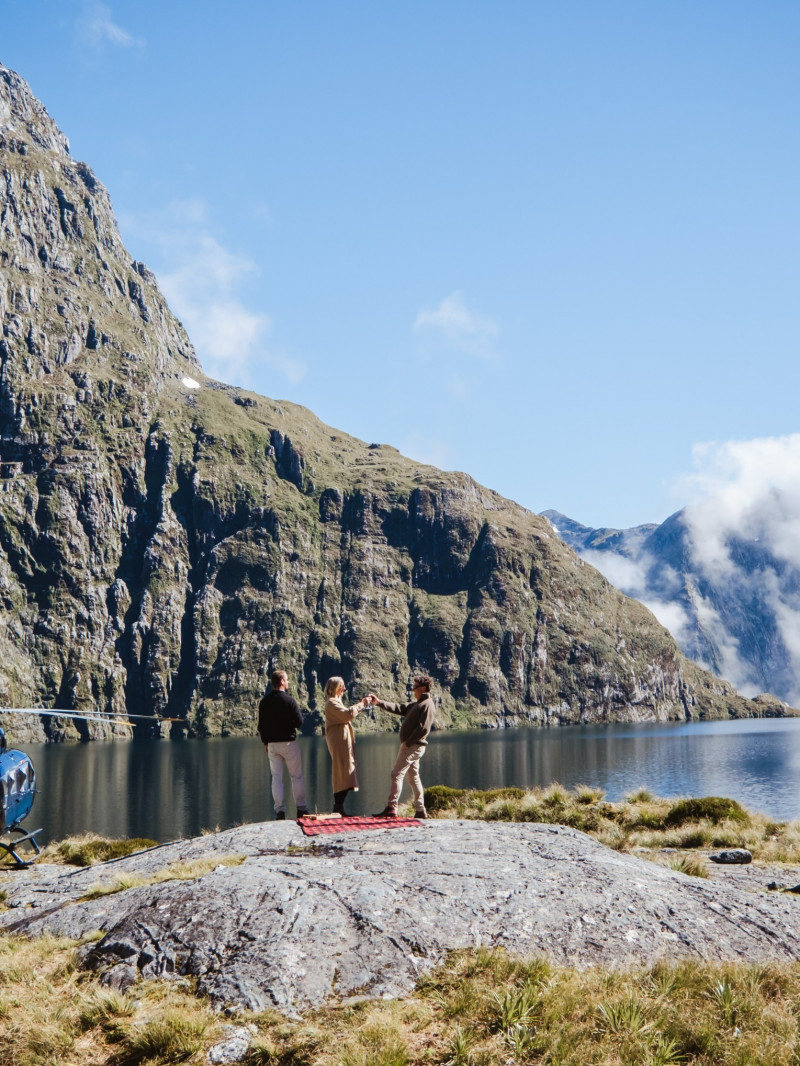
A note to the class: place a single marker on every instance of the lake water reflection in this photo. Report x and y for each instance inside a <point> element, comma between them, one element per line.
<point>169,789</point>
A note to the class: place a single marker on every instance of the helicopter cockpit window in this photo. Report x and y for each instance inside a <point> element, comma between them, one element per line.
<point>22,778</point>
<point>10,783</point>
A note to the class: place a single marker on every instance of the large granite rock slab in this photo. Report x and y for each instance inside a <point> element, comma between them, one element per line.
<point>302,922</point>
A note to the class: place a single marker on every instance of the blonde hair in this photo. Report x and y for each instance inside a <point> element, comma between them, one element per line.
<point>332,686</point>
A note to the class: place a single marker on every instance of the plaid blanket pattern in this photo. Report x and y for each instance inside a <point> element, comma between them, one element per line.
<point>312,828</point>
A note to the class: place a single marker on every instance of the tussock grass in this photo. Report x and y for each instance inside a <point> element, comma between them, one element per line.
<point>52,1013</point>
<point>90,848</point>
<point>479,1008</point>
<point>640,820</point>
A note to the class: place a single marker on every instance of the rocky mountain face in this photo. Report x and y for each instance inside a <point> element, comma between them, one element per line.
<point>732,601</point>
<point>166,540</point>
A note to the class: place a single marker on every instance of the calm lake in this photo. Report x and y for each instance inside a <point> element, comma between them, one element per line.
<point>168,789</point>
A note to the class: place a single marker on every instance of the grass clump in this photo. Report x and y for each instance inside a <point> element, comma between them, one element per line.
<point>714,809</point>
<point>176,1035</point>
<point>90,848</point>
<point>692,865</point>
<point>641,820</point>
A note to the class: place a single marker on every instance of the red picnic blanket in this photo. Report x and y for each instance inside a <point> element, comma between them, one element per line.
<point>313,827</point>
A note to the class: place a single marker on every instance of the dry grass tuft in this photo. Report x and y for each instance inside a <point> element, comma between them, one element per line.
<point>178,871</point>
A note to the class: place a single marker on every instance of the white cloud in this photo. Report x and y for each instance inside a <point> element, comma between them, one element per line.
<point>463,330</point>
<point>631,576</point>
<point>672,616</point>
<point>98,28</point>
<point>746,498</point>
<point>202,281</point>
<point>730,663</point>
<point>745,489</point>
<point>628,575</point>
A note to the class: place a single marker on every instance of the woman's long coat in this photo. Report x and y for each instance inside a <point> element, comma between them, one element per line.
<point>341,741</point>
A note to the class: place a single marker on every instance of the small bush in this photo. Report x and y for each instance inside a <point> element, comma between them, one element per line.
<point>714,809</point>
<point>442,798</point>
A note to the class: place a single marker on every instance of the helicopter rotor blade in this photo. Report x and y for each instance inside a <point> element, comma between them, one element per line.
<point>97,716</point>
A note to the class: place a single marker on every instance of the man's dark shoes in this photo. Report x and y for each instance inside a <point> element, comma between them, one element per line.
<point>420,814</point>
<point>302,812</point>
<point>387,812</point>
<point>280,816</point>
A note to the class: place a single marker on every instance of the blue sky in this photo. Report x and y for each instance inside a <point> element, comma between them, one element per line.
<point>554,244</point>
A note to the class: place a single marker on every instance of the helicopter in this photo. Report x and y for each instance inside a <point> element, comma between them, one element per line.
<point>18,779</point>
<point>17,789</point>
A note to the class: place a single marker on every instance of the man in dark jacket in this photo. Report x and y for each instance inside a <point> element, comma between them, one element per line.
<point>279,718</point>
<point>417,721</point>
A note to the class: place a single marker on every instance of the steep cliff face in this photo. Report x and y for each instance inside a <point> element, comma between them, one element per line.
<point>166,540</point>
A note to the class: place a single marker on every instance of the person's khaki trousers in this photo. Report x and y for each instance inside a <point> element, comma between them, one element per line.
<point>407,762</point>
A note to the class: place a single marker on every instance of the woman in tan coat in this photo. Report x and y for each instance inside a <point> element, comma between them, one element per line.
<point>341,741</point>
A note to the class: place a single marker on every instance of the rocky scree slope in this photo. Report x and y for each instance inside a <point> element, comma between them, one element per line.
<point>164,547</point>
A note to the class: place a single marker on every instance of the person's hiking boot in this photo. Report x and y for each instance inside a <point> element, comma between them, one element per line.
<point>302,812</point>
<point>420,814</point>
<point>387,812</point>
<point>280,816</point>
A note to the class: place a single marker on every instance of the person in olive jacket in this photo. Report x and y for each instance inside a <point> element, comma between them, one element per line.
<point>279,718</point>
<point>417,721</point>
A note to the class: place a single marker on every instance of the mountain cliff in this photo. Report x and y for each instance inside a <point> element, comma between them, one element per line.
<point>167,540</point>
<point>728,586</point>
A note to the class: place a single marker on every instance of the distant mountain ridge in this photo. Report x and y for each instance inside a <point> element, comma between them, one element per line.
<point>731,601</point>
<point>166,540</point>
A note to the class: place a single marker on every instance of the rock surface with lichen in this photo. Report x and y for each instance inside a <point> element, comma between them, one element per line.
<point>261,916</point>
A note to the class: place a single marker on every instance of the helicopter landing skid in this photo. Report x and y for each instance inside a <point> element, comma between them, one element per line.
<point>10,846</point>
